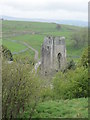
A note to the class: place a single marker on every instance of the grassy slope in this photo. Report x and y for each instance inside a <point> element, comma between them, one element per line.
<point>34,26</point>
<point>75,108</point>
<point>14,47</point>
<point>42,29</point>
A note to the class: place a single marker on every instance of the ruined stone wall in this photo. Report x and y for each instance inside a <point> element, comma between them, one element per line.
<point>53,57</point>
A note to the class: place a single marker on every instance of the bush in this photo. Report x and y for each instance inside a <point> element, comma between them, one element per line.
<point>72,84</point>
<point>6,53</point>
<point>84,58</point>
<point>20,89</point>
<point>70,66</point>
<point>47,93</point>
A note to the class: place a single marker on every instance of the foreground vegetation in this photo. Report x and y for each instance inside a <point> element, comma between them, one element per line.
<point>75,108</point>
<point>20,88</point>
<point>26,95</point>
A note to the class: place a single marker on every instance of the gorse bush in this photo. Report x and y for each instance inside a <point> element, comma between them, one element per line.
<point>20,89</point>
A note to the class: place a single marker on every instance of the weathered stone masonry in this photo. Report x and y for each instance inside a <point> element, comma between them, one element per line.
<point>53,54</point>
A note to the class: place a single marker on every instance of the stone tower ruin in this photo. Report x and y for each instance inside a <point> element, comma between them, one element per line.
<point>53,54</point>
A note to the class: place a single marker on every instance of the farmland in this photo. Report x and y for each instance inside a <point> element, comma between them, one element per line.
<point>34,32</point>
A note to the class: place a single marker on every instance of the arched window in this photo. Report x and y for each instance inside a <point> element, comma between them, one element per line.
<point>59,59</point>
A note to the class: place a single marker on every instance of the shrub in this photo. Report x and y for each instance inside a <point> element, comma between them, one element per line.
<point>20,89</point>
<point>6,53</point>
<point>70,66</point>
<point>47,93</point>
<point>72,84</point>
<point>84,58</point>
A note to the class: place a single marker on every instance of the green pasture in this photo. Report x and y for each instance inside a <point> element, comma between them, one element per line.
<point>35,40</point>
<point>13,46</point>
<point>35,26</point>
<point>28,26</point>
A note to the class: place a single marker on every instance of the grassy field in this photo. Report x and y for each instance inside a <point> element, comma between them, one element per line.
<point>34,27</point>
<point>34,32</point>
<point>75,108</point>
<point>34,40</point>
<point>14,47</point>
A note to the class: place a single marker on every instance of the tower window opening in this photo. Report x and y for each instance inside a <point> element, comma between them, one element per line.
<point>59,59</point>
<point>47,47</point>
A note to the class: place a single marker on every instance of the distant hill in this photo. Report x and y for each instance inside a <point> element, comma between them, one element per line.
<point>73,22</point>
<point>67,22</point>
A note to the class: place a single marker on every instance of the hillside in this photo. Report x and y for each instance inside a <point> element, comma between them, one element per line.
<point>34,32</point>
<point>67,22</point>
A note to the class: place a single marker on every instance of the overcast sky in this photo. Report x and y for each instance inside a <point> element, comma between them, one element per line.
<point>46,9</point>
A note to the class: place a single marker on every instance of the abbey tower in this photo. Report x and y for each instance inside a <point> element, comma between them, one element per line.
<point>53,54</point>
